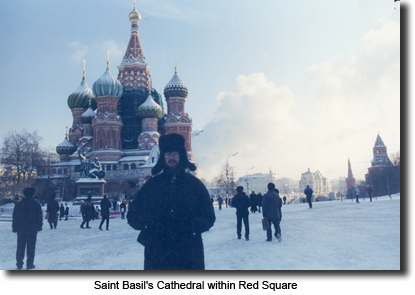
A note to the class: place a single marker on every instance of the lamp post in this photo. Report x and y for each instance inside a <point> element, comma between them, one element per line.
<point>246,179</point>
<point>227,168</point>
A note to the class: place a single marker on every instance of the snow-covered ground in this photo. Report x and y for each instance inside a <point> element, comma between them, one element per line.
<point>334,235</point>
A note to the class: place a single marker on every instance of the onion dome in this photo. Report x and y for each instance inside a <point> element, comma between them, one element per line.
<point>134,14</point>
<point>81,96</point>
<point>87,116</point>
<point>65,147</point>
<point>150,109</point>
<point>175,88</point>
<point>107,85</point>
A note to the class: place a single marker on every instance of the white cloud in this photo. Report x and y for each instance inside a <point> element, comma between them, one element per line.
<point>270,127</point>
<point>168,10</point>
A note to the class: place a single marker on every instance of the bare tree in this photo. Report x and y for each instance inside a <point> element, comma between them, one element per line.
<point>221,181</point>
<point>22,153</point>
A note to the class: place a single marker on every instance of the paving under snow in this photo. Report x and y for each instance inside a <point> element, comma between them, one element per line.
<point>333,235</point>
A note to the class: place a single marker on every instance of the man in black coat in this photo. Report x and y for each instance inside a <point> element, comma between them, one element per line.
<point>52,210</point>
<point>105,211</point>
<point>241,202</point>
<point>309,193</point>
<point>172,210</point>
<point>271,205</point>
<point>27,221</point>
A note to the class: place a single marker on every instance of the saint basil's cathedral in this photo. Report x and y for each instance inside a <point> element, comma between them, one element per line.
<point>120,120</point>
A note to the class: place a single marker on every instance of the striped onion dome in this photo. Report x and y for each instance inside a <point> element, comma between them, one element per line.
<point>65,147</point>
<point>175,88</point>
<point>150,109</point>
<point>107,85</point>
<point>81,96</point>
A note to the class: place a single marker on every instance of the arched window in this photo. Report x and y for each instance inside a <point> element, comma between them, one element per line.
<point>126,167</point>
<point>108,167</point>
<point>114,167</point>
<point>133,166</point>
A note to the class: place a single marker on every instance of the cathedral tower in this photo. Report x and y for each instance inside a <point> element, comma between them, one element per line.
<point>177,120</point>
<point>106,124</point>
<point>134,72</point>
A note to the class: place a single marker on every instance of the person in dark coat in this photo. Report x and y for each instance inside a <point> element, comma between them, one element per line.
<point>241,202</point>
<point>220,202</point>
<point>253,201</point>
<point>369,192</point>
<point>66,211</point>
<point>123,209</point>
<point>88,212</point>
<point>172,210</point>
<point>61,212</point>
<point>285,200</point>
<point>27,221</point>
<point>52,209</point>
<point>271,205</point>
<point>259,201</point>
<point>309,193</point>
<point>105,212</point>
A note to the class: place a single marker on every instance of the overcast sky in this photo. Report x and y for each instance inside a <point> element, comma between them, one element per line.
<point>289,85</point>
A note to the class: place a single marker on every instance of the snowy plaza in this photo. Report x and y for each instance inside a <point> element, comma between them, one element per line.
<point>333,235</point>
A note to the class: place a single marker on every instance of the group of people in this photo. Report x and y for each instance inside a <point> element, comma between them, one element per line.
<point>271,205</point>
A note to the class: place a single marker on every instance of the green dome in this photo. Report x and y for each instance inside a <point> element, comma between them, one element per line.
<point>107,85</point>
<point>81,96</point>
<point>65,148</point>
<point>150,109</point>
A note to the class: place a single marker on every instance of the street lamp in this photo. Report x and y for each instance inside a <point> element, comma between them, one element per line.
<point>246,179</point>
<point>227,168</point>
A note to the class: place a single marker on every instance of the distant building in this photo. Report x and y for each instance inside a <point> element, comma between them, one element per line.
<point>315,180</point>
<point>350,180</point>
<point>256,182</point>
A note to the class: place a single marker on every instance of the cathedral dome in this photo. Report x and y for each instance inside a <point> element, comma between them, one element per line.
<point>107,85</point>
<point>150,109</point>
<point>81,96</point>
<point>87,116</point>
<point>175,88</point>
<point>65,147</point>
<point>134,14</point>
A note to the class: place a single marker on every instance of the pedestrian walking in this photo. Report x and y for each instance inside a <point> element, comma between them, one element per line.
<point>241,202</point>
<point>369,192</point>
<point>88,212</point>
<point>220,202</point>
<point>61,212</point>
<point>309,194</point>
<point>123,208</point>
<point>271,209</point>
<point>105,212</point>
<point>253,201</point>
<point>356,193</point>
<point>27,222</point>
<point>66,211</point>
<point>285,199</point>
<point>52,209</point>
<point>259,201</point>
<point>172,210</point>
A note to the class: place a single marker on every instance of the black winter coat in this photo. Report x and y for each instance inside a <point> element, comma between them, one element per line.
<point>271,205</point>
<point>172,211</point>
<point>27,216</point>
<point>52,209</point>
<point>105,207</point>
<point>88,211</point>
<point>241,202</point>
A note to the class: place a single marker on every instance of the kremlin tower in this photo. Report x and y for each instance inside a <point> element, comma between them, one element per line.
<point>350,180</point>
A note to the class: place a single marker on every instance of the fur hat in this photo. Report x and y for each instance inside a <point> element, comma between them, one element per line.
<point>172,143</point>
<point>240,189</point>
<point>29,191</point>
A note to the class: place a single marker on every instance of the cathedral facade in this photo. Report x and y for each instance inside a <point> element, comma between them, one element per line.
<point>120,119</point>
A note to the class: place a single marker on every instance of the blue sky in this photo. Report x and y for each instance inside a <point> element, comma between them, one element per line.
<point>289,85</point>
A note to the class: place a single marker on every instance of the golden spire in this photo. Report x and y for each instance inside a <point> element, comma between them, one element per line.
<point>175,64</point>
<point>108,59</point>
<point>84,68</point>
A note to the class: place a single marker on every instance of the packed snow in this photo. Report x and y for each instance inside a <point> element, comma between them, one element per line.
<point>333,235</point>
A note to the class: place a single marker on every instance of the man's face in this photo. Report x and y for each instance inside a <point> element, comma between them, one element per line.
<point>172,159</point>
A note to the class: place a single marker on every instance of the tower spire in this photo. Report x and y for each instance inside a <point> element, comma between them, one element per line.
<point>134,72</point>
